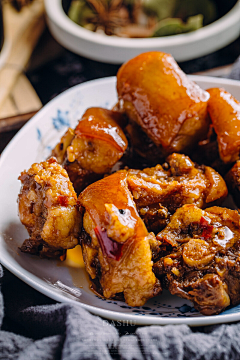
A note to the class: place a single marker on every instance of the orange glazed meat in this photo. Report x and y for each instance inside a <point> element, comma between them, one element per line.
<point>159,191</point>
<point>48,209</point>
<point>155,93</point>
<point>203,263</point>
<point>224,111</point>
<point>116,243</point>
<point>92,149</point>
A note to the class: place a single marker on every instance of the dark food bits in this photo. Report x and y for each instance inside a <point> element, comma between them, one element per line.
<point>202,263</point>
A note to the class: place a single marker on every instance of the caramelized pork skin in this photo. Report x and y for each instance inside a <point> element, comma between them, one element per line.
<point>48,209</point>
<point>115,241</point>
<point>158,96</point>
<point>224,111</point>
<point>158,192</point>
<point>203,264</point>
<point>92,149</point>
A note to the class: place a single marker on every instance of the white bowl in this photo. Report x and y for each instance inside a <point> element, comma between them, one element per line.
<point>112,49</point>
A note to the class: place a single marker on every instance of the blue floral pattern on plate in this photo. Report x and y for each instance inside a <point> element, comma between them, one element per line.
<point>157,308</point>
<point>61,120</point>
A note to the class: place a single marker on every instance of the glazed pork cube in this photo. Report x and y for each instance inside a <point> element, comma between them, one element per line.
<point>171,109</point>
<point>224,111</point>
<point>93,148</point>
<point>115,242</point>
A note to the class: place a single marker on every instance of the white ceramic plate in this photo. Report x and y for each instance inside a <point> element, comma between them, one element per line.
<point>112,49</point>
<point>32,144</point>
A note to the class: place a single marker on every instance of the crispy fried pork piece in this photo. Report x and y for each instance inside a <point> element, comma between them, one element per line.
<point>203,264</point>
<point>224,111</point>
<point>48,209</point>
<point>159,191</point>
<point>158,96</point>
<point>116,243</point>
<point>233,181</point>
<point>93,148</point>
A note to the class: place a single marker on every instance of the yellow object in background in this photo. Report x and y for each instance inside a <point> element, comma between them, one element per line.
<point>74,257</point>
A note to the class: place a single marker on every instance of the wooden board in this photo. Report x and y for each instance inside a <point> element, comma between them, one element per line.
<point>22,32</point>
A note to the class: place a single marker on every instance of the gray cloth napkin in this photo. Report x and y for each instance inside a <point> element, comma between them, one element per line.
<point>68,332</point>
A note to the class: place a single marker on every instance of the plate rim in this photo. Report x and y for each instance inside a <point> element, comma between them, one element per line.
<point>46,289</point>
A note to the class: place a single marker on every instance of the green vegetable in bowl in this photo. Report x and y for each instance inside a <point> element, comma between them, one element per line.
<point>80,12</point>
<point>170,26</point>
<point>142,18</point>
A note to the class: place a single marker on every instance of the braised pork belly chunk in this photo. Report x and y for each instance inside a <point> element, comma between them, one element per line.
<point>224,111</point>
<point>158,192</point>
<point>155,94</point>
<point>221,148</point>
<point>48,209</point>
<point>116,243</point>
<point>91,150</point>
<point>203,263</point>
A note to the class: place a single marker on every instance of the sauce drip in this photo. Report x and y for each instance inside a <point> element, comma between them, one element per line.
<point>110,248</point>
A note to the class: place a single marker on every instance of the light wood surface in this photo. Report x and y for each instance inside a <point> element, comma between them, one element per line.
<point>22,32</point>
